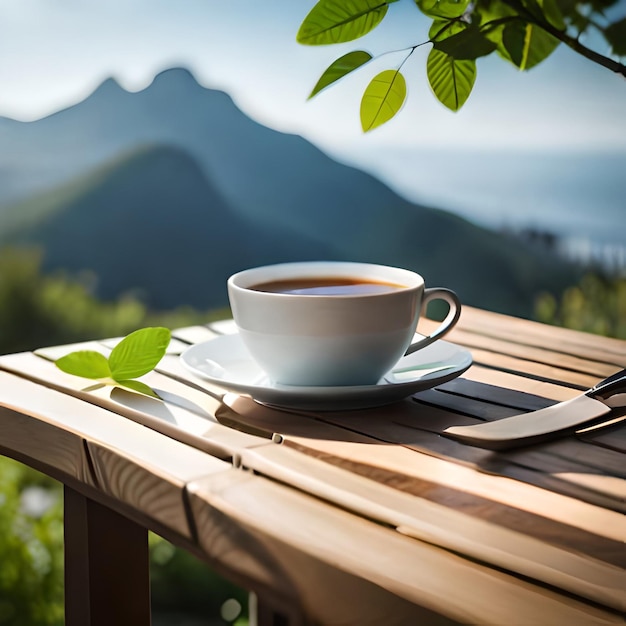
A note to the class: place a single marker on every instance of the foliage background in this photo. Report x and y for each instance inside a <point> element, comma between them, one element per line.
<point>36,310</point>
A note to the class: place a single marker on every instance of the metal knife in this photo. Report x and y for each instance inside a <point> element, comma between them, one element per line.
<point>536,426</point>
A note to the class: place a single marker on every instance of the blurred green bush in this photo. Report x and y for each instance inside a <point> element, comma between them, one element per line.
<point>31,547</point>
<point>31,562</point>
<point>596,305</point>
<point>40,310</point>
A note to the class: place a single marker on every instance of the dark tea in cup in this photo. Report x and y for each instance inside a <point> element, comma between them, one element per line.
<point>327,286</point>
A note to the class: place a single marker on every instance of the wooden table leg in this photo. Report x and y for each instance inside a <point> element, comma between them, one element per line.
<point>107,578</point>
<point>264,613</point>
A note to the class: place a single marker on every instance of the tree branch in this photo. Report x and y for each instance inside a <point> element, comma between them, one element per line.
<point>570,42</point>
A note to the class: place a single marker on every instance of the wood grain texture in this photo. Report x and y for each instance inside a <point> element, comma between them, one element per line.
<point>443,526</point>
<point>401,461</point>
<point>531,353</point>
<point>150,473</point>
<point>529,333</point>
<point>43,446</point>
<point>612,438</point>
<point>520,505</point>
<point>549,373</point>
<point>286,522</point>
<point>305,589</point>
<point>507,381</point>
<point>46,427</point>
<point>403,423</point>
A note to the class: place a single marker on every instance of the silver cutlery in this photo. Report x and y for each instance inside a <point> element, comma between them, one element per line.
<point>543,424</point>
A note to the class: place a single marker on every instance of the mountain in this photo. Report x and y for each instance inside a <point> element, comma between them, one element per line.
<point>280,198</point>
<point>152,223</point>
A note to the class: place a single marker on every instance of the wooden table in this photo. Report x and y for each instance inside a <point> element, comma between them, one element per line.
<point>357,517</point>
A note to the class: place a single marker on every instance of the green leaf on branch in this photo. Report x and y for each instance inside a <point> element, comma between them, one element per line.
<point>337,21</point>
<point>339,68</point>
<point>615,34</point>
<point>138,353</point>
<point>552,12</point>
<point>523,32</point>
<point>85,363</point>
<point>468,44</point>
<point>442,8</point>
<point>547,10</point>
<point>491,20</point>
<point>451,80</point>
<point>383,98</point>
<point>527,45</point>
<point>443,29</point>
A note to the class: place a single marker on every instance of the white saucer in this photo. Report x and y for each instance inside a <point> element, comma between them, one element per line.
<point>226,362</point>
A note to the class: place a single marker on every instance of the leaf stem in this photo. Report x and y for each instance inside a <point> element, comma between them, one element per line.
<point>406,58</point>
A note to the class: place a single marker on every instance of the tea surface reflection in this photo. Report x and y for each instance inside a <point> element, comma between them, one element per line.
<point>327,286</point>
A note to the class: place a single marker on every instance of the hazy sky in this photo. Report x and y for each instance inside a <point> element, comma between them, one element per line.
<point>53,53</point>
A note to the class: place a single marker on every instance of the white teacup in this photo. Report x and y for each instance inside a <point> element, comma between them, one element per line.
<point>305,329</point>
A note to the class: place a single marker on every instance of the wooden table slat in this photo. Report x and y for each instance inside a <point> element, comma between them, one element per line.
<point>193,334</point>
<point>611,438</point>
<point>532,353</point>
<point>534,370</point>
<point>515,330</point>
<point>507,380</point>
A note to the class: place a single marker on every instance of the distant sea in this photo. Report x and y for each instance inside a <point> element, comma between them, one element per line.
<point>578,197</point>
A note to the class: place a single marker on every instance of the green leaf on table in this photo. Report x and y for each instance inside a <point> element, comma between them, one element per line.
<point>339,68</point>
<point>337,21</point>
<point>450,79</point>
<point>138,353</point>
<point>383,98</point>
<point>139,387</point>
<point>615,34</point>
<point>85,363</point>
<point>527,45</point>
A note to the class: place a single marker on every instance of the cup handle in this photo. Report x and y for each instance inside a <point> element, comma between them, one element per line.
<point>438,293</point>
